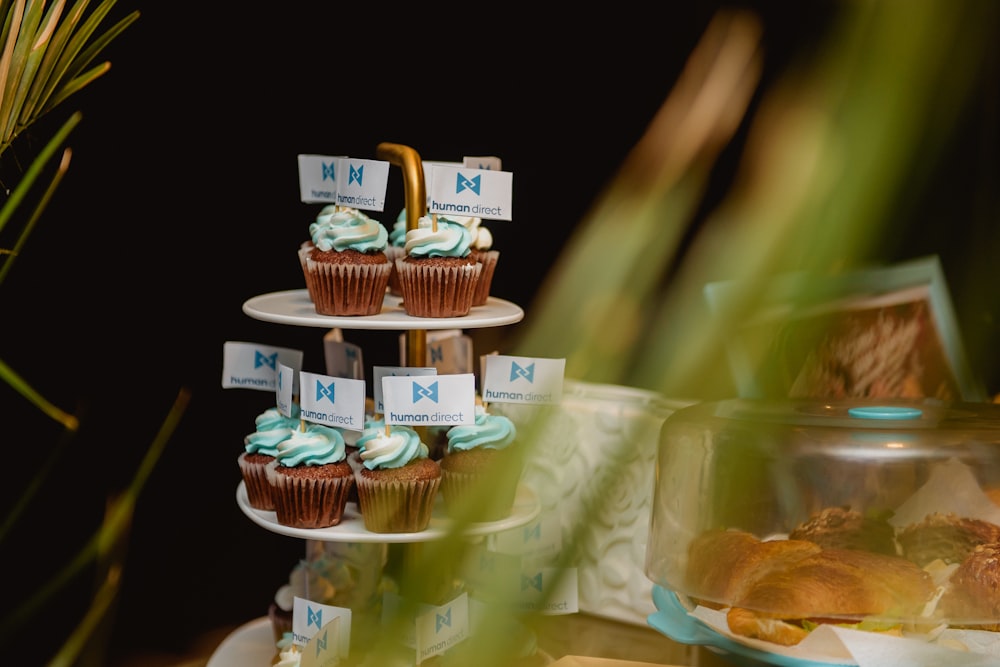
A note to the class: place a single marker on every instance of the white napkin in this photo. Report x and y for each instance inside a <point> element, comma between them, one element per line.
<point>845,646</point>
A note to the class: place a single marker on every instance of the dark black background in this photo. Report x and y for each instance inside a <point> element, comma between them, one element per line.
<point>181,202</point>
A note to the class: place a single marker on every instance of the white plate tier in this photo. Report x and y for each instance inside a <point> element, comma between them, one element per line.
<point>296,308</point>
<point>352,526</point>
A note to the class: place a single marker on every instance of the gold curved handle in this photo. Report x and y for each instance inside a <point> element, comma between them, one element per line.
<point>414,190</point>
<point>415,200</point>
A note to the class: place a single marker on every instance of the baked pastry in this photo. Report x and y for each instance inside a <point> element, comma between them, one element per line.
<point>723,564</point>
<point>946,536</point>
<point>776,588</point>
<point>844,528</point>
<point>972,595</point>
<point>481,468</point>
<point>397,481</point>
<point>310,478</point>
<point>347,270</point>
<point>260,449</point>
<point>438,275</point>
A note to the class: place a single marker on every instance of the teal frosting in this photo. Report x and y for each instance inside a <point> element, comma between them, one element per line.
<point>317,445</point>
<point>342,229</point>
<point>489,432</point>
<point>397,236</point>
<point>272,427</point>
<point>449,239</point>
<point>395,450</point>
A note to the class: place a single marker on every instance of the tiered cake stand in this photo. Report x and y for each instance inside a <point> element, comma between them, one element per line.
<point>294,307</point>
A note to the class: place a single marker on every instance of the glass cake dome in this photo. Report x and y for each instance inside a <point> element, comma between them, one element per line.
<point>739,483</point>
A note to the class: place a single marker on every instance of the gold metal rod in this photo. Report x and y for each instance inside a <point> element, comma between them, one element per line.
<point>415,201</point>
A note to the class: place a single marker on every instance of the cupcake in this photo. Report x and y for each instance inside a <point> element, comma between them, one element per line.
<point>482,251</point>
<point>310,478</point>
<point>397,481</point>
<point>438,275</point>
<point>288,653</point>
<point>481,468</point>
<point>259,449</point>
<point>347,270</point>
<point>396,249</point>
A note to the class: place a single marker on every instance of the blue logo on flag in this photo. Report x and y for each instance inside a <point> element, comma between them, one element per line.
<point>437,354</point>
<point>532,582</point>
<point>527,373</point>
<point>321,643</point>
<point>261,359</point>
<point>430,392</point>
<point>328,171</point>
<point>314,616</point>
<point>441,621</point>
<point>533,532</point>
<point>468,184</point>
<point>356,175</point>
<point>324,392</point>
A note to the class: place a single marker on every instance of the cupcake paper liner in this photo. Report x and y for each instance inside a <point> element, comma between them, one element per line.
<point>433,290</point>
<point>488,259</point>
<point>308,502</point>
<point>254,470</point>
<point>347,289</point>
<point>396,506</point>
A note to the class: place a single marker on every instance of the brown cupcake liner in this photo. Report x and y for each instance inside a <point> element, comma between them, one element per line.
<point>347,289</point>
<point>477,496</point>
<point>304,502</point>
<point>394,253</point>
<point>396,506</point>
<point>304,251</point>
<point>255,481</point>
<point>488,259</point>
<point>437,291</point>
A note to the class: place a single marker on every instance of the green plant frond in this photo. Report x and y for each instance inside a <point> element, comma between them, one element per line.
<point>27,55</point>
<point>35,168</point>
<point>22,238</point>
<point>19,385</point>
<point>75,37</point>
<point>44,82</point>
<point>76,85</point>
<point>108,536</point>
<point>41,54</point>
<point>12,29</point>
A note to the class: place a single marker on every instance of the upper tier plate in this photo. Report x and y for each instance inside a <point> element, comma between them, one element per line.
<point>352,527</point>
<point>295,307</point>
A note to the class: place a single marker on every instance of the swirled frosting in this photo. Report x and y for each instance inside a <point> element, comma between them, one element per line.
<point>482,238</point>
<point>397,236</point>
<point>395,450</point>
<point>317,445</point>
<point>289,654</point>
<point>489,432</point>
<point>347,229</point>
<point>272,427</point>
<point>449,239</point>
